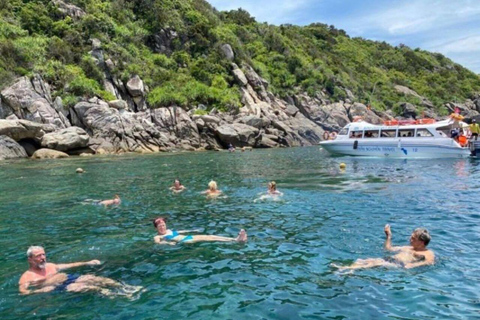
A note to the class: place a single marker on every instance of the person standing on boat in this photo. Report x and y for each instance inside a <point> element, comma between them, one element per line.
<point>408,257</point>
<point>474,129</point>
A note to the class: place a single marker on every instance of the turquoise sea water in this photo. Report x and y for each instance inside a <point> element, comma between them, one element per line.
<point>283,272</point>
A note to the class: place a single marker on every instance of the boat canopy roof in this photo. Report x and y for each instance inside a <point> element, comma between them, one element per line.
<point>362,125</point>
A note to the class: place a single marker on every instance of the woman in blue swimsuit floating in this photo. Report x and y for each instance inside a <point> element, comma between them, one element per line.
<point>172,237</point>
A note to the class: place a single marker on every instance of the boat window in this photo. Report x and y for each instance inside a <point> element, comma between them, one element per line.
<point>424,133</point>
<point>388,133</point>
<point>371,133</point>
<point>406,133</point>
<point>343,132</point>
<point>442,134</point>
<point>356,134</point>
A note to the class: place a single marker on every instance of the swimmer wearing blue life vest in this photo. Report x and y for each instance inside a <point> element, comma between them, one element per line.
<point>46,277</point>
<point>415,255</point>
<point>173,237</point>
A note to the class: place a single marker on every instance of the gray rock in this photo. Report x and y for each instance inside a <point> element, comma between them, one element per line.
<point>162,41</point>
<point>254,121</point>
<point>406,91</point>
<point>238,134</point>
<point>26,103</point>
<point>10,149</point>
<point>49,154</point>
<point>360,110</point>
<point>69,9</point>
<point>23,129</point>
<point>266,142</point>
<point>239,75</point>
<point>175,122</point>
<point>118,104</point>
<point>228,51</point>
<point>66,139</point>
<point>408,110</point>
<point>135,87</point>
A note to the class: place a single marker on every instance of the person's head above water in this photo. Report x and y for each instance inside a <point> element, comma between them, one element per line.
<point>36,257</point>
<point>160,224</point>
<point>176,183</point>
<point>420,235</point>
<point>272,185</point>
<point>212,185</point>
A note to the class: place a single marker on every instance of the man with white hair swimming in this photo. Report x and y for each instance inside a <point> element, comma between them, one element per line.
<point>46,277</point>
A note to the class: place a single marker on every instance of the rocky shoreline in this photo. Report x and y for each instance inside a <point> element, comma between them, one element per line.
<point>33,124</point>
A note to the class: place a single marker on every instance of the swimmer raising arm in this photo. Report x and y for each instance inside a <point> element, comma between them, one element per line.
<point>388,241</point>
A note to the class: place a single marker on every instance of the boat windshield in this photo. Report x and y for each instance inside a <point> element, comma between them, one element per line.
<point>343,132</point>
<point>425,133</point>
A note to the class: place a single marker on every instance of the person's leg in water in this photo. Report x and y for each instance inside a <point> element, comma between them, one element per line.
<point>366,264</point>
<point>103,285</point>
<point>242,237</point>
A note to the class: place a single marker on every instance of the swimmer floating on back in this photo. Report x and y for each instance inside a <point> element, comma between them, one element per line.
<point>109,202</point>
<point>46,277</point>
<point>412,256</point>
<point>172,237</point>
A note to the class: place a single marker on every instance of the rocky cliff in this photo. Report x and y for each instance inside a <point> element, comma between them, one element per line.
<point>112,114</point>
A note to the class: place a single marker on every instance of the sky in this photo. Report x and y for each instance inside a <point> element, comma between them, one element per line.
<point>450,27</point>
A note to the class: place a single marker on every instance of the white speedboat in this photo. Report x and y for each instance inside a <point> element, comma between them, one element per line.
<point>424,138</point>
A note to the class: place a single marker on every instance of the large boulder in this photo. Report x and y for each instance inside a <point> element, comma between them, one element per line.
<point>66,139</point>
<point>31,101</point>
<point>239,75</point>
<point>238,134</point>
<point>10,149</point>
<point>23,129</point>
<point>254,121</point>
<point>69,9</point>
<point>115,131</point>
<point>408,110</point>
<point>360,110</point>
<point>49,154</point>
<point>227,51</point>
<point>174,121</point>
<point>135,87</point>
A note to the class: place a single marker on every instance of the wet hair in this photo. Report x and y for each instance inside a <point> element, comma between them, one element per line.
<point>33,248</point>
<point>212,185</point>
<point>273,185</point>
<point>156,220</point>
<point>116,196</point>
<point>422,235</point>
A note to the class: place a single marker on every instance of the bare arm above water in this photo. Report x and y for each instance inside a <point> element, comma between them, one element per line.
<point>77,264</point>
<point>388,240</point>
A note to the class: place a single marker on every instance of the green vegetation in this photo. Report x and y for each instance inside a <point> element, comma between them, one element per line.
<point>35,36</point>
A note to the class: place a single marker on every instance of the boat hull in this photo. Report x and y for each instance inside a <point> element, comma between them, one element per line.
<point>394,149</point>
